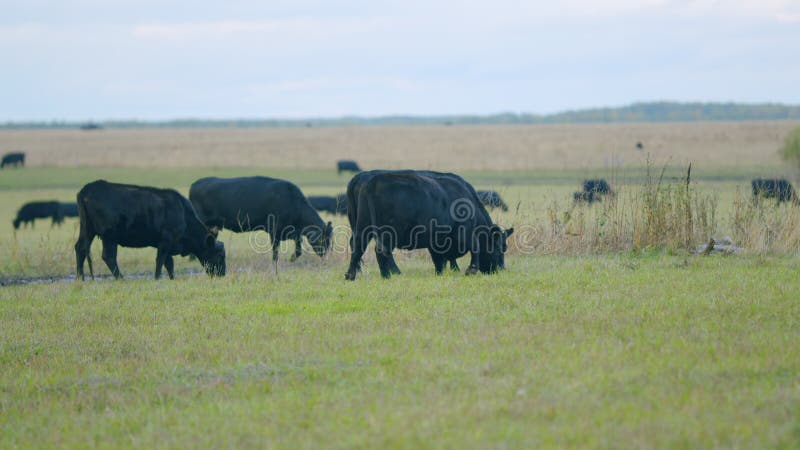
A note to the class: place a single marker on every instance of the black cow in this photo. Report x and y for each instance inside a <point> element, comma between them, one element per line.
<point>778,188</point>
<point>136,216</point>
<point>593,191</point>
<point>68,209</point>
<point>492,199</point>
<point>333,205</point>
<point>347,165</point>
<point>260,203</point>
<point>13,159</point>
<point>415,210</point>
<point>359,180</point>
<point>598,186</point>
<point>31,211</point>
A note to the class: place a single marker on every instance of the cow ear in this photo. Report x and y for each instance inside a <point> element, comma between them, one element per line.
<point>329,229</point>
<point>214,230</point>
<point>509,232</point>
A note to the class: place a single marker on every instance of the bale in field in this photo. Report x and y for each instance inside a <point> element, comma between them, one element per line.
<point>137,216</point>
<point>492,200</point>
<point>778,188</point>
<point>261,203</point>
<point>13,159</point>
<point>441,214</point>
<point>31,211</point>
<point>347,165</point>
<point>326,203</point>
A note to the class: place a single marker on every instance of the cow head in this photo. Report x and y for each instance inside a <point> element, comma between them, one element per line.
<point>493,246</point>
<point>16,224</point>
<point>320,239</point>
<point>213,256</point>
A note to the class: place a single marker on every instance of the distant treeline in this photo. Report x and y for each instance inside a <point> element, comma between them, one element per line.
<point>637,112</point>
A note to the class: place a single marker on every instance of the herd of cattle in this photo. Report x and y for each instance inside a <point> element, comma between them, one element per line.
<point>398,209</point>
<point>406,209</point>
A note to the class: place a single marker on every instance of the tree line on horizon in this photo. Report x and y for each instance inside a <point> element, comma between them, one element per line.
<point>637,112</point>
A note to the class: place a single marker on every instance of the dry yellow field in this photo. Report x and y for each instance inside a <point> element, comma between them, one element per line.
<point>478,147</point>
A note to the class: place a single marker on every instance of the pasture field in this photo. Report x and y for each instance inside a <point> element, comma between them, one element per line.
<point>575,345</point>
<point>647,351</point>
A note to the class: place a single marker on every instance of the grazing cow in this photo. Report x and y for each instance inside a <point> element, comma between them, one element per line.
<point>415,210</point>
<point>347,165</point>
<point>492,200</point>
<point>31,211</point>
<point>333,205</point>
<point>13,159</point>
<point>136,216</point>
<point>778,188</point>
<point>358,181</point>
<point>66,210</point>
<point>260,203</point>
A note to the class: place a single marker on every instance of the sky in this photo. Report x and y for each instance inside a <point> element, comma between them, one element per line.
<point>160,59</point>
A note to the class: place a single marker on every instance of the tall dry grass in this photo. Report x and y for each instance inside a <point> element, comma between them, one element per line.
<point>658,214</point>
<point>763,227</point>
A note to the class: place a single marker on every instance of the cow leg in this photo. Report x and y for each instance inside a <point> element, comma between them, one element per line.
<point>82,253</point>
<point>454,265</point>
<point>438,261</point>
<point>383,253</point>
<point>161,257</point>
<point>359,245</point>
<point>110,257</point>
<point>276,246</point>
<point>169,263</point>
<point>298,247</point>
<point>393,265</point>
<point>384,263</point>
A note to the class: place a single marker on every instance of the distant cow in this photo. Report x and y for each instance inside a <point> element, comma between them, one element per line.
<point>13,159</point>
<point>778,188</point>
<point>598,186</point>
<point>416,210</point>
<point>260,203</point>
<point>136,216</point>
<point>593,191</point>
<point>347,165</point>
<point>333,205</point>
<point>31,211</point>
<point>492,199</point>
<point>68,209</point>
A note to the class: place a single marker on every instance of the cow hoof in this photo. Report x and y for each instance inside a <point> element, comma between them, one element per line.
<point>350,276</point>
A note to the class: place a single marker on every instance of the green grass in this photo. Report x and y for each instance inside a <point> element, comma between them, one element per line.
<point>599,352</point>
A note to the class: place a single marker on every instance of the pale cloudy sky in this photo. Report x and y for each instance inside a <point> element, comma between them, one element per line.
<point>153,59</point>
